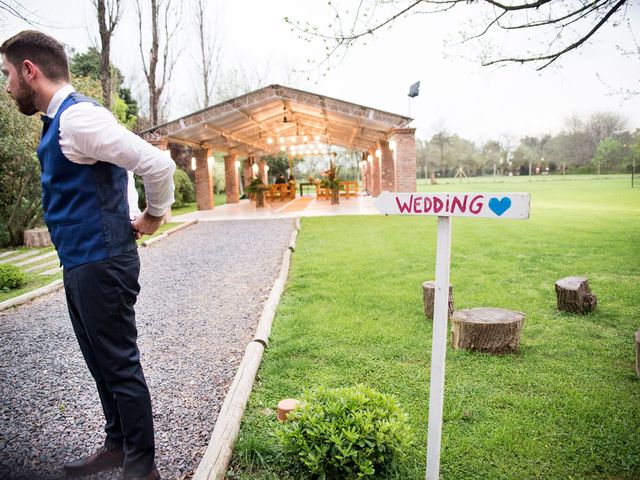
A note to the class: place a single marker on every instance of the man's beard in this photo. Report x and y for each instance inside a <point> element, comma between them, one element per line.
<point>24,98</point>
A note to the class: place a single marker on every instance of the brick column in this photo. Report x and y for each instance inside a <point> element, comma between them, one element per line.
<point>231,178</point>
<point>405,139</point>
<point>204,181</point>
<point>248,173</point>
<point>375,173</point>
<point>387,168</point>
<point>364,171</point>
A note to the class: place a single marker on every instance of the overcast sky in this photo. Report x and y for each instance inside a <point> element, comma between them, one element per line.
<point>478,103</point>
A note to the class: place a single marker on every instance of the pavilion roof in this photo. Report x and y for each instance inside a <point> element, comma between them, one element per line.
<point>254,123</point>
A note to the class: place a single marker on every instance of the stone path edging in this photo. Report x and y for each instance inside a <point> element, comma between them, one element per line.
<point>217,456</point>
<point>25,297</point>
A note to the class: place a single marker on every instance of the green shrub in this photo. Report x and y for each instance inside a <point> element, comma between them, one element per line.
<point>345,433</point>
<point>11,277</point>
<point>184,192</point>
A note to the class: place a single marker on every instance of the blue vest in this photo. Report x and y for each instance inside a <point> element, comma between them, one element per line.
<point>85,206</point>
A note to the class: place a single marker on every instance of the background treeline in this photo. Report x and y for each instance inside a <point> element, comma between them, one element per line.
<point>598,144</point>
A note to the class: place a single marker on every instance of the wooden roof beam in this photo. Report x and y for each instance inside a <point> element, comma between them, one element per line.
<point>234,137</point>
<point>354,132</point>
<point>258,123</point>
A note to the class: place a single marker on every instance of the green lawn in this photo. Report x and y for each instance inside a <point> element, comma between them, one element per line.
<point>567,406</point>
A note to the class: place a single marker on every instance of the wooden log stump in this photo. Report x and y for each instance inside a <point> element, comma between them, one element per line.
<point>429,296</point>
<point>486,329</point>
<point>285,406</point>
<point>36,237</point>
<point>574,295</point>
<point>638,353</point>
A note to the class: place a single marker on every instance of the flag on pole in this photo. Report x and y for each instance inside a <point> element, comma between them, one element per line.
<point>414,90</point>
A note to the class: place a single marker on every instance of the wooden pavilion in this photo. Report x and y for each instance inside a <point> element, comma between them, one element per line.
<point>277,118</point>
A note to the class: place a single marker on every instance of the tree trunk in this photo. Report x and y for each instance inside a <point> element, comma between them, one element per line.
<point>37,237</point>
<point>428,297</point>
<point>489,330</point>
<point>574,295</point>
<point>260,199</point>
<point>105,39</point>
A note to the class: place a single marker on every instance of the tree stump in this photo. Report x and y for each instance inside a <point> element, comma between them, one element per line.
<point>36,237</point>
<point>574,295</point>
<point>638,353</point>
<point>486,329</point>
<point>285,406</point>
<point>429,296</point>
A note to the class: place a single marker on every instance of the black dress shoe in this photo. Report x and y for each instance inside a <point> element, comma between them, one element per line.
<point>101,459</point>
<point>154,475</point>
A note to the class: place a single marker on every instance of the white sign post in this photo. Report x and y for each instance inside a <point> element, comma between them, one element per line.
<point>445,206</point>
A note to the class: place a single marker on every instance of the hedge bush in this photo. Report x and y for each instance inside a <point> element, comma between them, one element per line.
<point>184,192</point>
<point>345,433</point>
<point>11,277</point>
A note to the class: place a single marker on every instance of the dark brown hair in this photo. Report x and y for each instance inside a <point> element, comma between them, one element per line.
<point>41,49</point>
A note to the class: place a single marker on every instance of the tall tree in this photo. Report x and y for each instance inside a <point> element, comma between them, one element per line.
<point>609,152</point>
<point>109,14</point>
<point>164,20</point>
<point>492,153</point>
<point>603,125</point>
<point>442,139</point>
<point>563,25</point>
<point>87,66</point>
<point>209,53</point>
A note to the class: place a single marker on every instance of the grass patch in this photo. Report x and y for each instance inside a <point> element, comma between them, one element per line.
<point>566,406</point>
<point>34,280</point>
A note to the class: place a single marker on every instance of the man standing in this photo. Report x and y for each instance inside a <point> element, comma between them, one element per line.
<point>85,155</point>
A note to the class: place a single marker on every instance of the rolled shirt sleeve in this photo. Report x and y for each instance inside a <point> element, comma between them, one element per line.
<point>90,133</point>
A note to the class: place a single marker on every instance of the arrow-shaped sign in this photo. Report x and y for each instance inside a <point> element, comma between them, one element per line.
<point>481,205</point>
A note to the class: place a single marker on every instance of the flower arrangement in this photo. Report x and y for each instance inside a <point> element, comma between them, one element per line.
<point>330,176</point>
<point>257,189</point>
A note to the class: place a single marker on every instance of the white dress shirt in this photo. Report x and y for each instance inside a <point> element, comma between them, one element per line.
<point>90,133</point>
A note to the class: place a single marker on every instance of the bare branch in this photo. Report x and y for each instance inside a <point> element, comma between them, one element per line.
<point>19,11</point>
<point>575,16</point>
<point>554,56</point>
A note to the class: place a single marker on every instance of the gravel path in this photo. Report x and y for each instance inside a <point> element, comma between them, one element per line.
<point>202,294</point>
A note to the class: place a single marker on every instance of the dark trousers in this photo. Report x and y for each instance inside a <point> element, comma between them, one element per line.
<point>100,298</point>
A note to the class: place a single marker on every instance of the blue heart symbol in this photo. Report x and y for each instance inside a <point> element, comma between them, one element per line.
<point>499,206</point>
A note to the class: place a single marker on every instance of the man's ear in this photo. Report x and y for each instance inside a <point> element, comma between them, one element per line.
<point>29,70</point>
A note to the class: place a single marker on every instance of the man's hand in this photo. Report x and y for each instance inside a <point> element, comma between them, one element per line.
<point>145,224</point>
